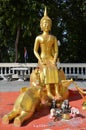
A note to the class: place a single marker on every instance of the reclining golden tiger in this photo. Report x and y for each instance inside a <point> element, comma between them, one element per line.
<point>30,99</point>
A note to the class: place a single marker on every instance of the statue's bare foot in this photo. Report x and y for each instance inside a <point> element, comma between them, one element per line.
<point>58,97</point>
<point>17,122</point>
<point>5,119</point>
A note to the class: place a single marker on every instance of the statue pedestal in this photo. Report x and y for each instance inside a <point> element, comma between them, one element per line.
<point>84,107</point>
<point>66,116</point>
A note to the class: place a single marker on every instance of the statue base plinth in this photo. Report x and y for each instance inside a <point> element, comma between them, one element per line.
<point>66,116</point>
<point>5,120</point>
<point>84,107</point>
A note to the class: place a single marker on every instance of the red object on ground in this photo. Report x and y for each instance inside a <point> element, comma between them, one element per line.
<point>41,120</point>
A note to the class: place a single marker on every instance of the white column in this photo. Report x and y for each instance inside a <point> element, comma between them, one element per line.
<point>73,70</point>
<point>69,70</point>
<point>77,70</point>
<point>1,70</point>
<point>82,71</point>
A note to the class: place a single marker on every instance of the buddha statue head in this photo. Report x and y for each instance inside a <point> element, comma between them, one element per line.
<point>45,19</point>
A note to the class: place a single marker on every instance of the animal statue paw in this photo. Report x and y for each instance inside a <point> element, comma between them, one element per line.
<point>5,120</point>
<point>58,97</point>
<point>17,122</point>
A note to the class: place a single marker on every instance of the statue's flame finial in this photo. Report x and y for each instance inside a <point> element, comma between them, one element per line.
<point>45,12</point>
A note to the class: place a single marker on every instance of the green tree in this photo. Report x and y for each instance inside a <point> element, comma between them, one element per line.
<point>73,21</point>
<point>19,25</point>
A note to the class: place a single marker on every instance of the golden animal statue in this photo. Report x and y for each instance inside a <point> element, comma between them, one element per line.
<point>83,95</point>
<point>47,82</point>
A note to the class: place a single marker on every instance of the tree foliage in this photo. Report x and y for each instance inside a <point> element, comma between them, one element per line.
<point>19,25</point>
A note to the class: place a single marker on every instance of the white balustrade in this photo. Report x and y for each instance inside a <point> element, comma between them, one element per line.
<point>74,70</point>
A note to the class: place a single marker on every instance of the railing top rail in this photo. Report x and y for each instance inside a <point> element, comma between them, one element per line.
<point>36,64</point>
<point>18,64</point>
<point>72,64</point>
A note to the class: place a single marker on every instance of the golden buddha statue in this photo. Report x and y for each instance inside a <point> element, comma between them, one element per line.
<point>47,82</point>
<point>48,45</point>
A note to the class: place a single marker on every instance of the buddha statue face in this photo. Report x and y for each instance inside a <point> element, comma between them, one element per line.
<point>46,25</point>
<point>45,22</point>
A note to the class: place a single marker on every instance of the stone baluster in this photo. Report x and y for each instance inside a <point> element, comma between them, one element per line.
<point>69,70</point>
<point>1,70</point>
<point>5,70</point>
<point>77,70</point>
<point>74,70</point>
<point>82,71</point>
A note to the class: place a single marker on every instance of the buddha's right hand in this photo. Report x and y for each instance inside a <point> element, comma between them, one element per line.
<point>42,63</point>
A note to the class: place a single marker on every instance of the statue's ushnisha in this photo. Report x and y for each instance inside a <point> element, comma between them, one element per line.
<point>46,81</point>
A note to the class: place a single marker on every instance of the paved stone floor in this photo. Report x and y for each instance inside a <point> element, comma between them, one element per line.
<point>7,86</point>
